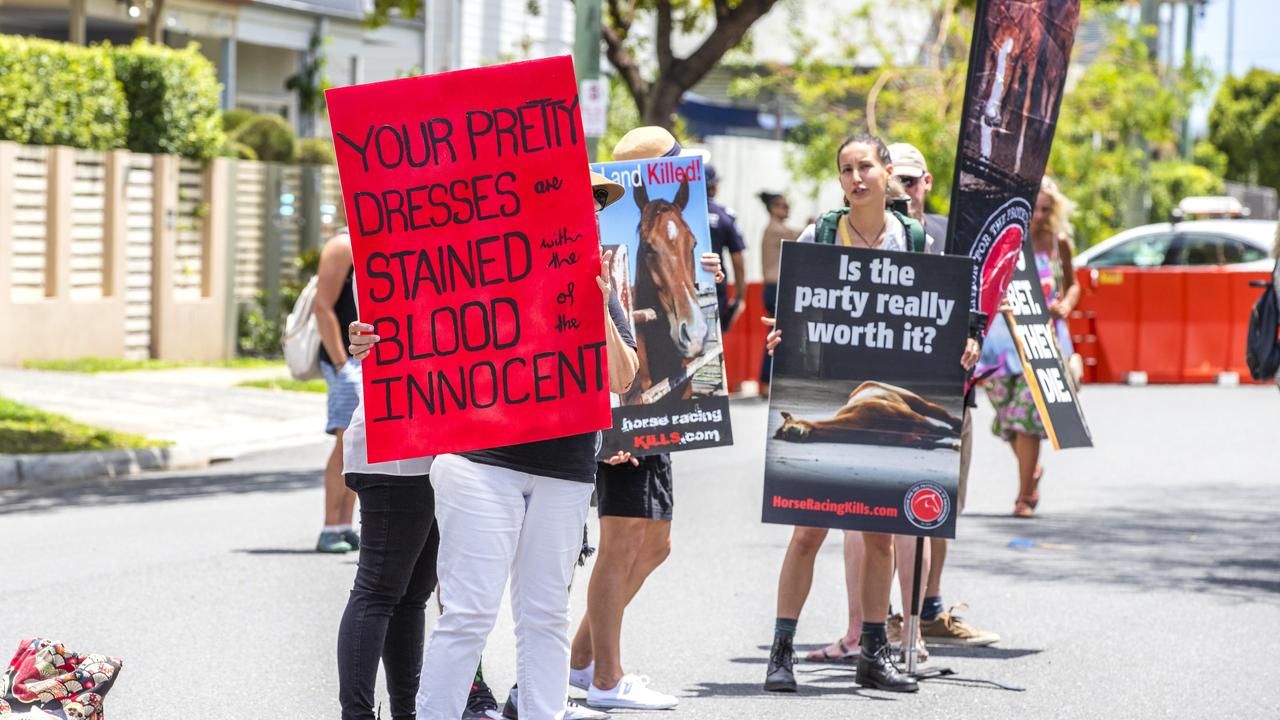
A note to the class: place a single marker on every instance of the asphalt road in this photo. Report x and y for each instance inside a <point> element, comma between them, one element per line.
<point>1153,589</point>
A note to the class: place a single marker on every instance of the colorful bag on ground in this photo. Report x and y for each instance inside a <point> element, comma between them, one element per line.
<point>47,678</point>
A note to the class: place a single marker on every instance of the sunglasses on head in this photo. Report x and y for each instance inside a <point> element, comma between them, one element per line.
<point>908,182</point>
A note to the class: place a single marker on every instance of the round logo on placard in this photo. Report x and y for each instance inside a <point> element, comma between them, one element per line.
<point>927,505</point>
<point>998,247</point>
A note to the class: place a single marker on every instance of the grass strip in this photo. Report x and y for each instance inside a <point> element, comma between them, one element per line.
<point>287,384</point>
<point>107,364</point>
<point>24,429</point>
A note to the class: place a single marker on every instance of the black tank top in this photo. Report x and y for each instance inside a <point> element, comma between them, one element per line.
<point>345,309</point>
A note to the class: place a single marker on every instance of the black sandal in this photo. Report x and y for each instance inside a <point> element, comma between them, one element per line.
<point>822,656</point>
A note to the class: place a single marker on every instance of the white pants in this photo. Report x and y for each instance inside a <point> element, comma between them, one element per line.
<point>493,523</point>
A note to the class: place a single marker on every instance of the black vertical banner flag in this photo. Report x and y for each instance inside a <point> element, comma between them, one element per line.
<point>1017,70</point>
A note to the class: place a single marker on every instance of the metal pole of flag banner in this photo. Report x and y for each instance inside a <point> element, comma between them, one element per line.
<point>912,624</point>
<point>913,617</point>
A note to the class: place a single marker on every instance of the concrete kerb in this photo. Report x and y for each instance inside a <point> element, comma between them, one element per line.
<point>23,471</point>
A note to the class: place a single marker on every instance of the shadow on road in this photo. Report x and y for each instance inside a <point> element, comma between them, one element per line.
<point>155,489</point>
<point>710,690</point>
<point>979,653</point>
<point>1193,542</point>
<point>279,551</point>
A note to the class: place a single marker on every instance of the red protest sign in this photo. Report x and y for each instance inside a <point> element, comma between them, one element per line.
<point>475,242</point>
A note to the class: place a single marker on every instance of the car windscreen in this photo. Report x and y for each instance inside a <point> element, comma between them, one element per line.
<point>1214,249</point>
<point>1142,251</point>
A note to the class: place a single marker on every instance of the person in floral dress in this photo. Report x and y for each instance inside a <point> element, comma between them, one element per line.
<point>1017,420</point>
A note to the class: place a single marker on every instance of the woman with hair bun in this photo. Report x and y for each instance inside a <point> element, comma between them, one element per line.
<point>770,253</point>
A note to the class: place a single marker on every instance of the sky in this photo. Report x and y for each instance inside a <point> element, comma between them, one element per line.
<point>1255,43</point>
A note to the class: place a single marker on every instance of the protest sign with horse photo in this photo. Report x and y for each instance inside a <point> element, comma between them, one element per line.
<point>679,399</point>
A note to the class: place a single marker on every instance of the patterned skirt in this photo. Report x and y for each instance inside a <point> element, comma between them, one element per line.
<point>1015,407</point>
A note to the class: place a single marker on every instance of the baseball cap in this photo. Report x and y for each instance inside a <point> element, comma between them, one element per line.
<point>907,160</point>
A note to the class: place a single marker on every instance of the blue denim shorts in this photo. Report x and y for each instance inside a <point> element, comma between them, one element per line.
<point>344,393</point>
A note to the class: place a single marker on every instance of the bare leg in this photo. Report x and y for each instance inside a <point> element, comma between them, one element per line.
<point>607,591</point>
<point>877,576</point>
<point>937,557</point>
<point>853,552</point>
<point>797,570</point>
<point>339,501</point>
<point>1027,448</point>
<point>599,636</point>
<point>656,548</point>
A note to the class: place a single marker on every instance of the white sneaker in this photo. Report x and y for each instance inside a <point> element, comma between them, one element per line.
<point>632,692</point>
<point>581,679</point>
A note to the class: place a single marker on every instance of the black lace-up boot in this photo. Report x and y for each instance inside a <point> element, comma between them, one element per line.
<point>782,658</point>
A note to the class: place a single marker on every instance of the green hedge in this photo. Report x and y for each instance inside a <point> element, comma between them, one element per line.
<point>148,98</point>
<point>317,151</point>
<point>58,94</point>
<point>271,137</point>
<point>173,99</point>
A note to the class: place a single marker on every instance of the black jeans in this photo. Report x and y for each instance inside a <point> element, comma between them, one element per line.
<point>386,613</point>
<point>770,307</point>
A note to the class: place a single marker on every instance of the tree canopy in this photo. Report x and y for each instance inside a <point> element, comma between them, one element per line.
<point>1115,147</point>
<point>1245,125</point>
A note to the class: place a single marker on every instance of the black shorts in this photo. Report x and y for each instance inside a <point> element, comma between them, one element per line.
<point>636,491</point>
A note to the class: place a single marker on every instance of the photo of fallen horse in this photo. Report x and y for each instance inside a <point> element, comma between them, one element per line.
<point>871,440</point>
<point>877,413</point>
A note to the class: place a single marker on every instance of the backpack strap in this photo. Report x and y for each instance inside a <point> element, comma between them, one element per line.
<point>916,238</point>
<point>827,225</point>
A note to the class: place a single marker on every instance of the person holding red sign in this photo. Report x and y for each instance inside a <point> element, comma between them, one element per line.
<point>385,617</point>
<point>517,511</point>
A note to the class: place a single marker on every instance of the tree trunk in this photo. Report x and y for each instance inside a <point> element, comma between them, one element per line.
<point>155,23</point>
<point>658,100</point>
<point>662,102</point>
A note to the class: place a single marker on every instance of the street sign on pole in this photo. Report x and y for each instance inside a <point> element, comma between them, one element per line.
<point>586,62</point>
<point>593,98</point>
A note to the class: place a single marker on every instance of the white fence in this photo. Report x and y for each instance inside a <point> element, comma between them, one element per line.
<point>123,254</point>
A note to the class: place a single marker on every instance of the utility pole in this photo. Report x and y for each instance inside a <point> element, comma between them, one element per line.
<point>1150,18</point>
<point>1231,36</point>
<point>1188,69</point>
<point>1137,198</point>
<point>586,52</point>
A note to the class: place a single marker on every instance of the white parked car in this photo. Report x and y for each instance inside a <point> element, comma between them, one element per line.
<point>1245,243</point>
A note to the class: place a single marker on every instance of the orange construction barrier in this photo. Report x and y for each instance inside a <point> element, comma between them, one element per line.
<point>744,343</point>
<point>1177,325</point>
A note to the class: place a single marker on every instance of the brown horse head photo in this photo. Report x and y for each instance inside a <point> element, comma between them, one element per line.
<point>666,274</point>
